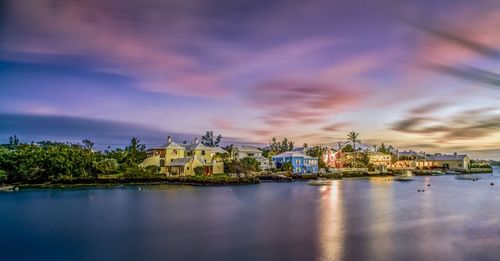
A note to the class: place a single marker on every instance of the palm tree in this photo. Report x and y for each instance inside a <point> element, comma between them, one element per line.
<point>353,137</point>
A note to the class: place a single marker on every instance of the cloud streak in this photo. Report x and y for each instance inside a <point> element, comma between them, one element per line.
<point>467,125</point>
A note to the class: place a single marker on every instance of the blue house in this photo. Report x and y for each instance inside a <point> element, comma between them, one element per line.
<point>301,163</point>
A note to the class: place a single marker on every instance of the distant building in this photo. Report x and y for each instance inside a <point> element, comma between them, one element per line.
<point>333,159</point>
<point>454,161</point>
<point>242,151</point>
<point>181,160</point>
<point>301,163</point>
<point>379,159</point>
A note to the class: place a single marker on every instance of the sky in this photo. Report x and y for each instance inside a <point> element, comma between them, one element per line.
<point>419,75</point>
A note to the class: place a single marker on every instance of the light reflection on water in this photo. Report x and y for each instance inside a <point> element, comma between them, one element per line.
<point>354,219</point>
<point>330,223</point>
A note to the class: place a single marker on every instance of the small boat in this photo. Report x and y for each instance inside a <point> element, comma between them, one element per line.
<point>319,182</point>
<point>452,172</point>
<point>405,176</point>
<point>437,173</point>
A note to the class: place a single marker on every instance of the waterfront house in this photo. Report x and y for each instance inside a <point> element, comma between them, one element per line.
<point>454,161</point>
<point>333,159</point>
<point>181,160</point>
<point>243,151</point>
<point>301,163</point>
<point>379,159</point>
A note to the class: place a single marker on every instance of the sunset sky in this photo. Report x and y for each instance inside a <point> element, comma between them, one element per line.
<point>417,75</point>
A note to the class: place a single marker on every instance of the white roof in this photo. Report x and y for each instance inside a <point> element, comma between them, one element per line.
<point>244,148</point>
<point>218,150</point>
<point>174,145</point>
<point>292,154</point>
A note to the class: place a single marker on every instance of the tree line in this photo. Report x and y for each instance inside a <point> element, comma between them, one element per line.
<point>53,161</point>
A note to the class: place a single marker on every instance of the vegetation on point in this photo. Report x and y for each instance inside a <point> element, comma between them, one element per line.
<point>53,161</point>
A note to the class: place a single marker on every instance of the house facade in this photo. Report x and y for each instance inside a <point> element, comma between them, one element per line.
<point>241,151</point>
<point>181,160</point>
<point>379,159</point>
<point>333,159</point>
<point>453,161</point>
<point>301,163</point>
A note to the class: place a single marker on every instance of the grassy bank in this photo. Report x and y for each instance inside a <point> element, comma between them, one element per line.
<point>216,180</point>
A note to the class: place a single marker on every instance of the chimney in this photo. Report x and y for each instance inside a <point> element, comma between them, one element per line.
<point>169,140</point>
<point>456,155</point>
<point>196,141</point>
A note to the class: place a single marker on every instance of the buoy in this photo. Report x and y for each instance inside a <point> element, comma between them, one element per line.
<point>418,190</point>
<point>492,183</point>
<point>139,188</point>
<point>16,188</point>
<point>428,185</point>
<point>423,190</point>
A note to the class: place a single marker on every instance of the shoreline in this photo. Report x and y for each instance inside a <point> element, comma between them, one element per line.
<point>193,181</point>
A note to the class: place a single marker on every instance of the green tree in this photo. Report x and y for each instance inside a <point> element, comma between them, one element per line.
<point>3,175</point>
<point>277,147</point>
<point>151,171</point>
<point>250,164</point>
<point>88,145</point>
<point>363,159</point>
<point>318,152</point>
<point>353,137</point>
<point>383,149</point>
<point>229,149</point>
<point>135,153</point>
<point>287,166</point>
<point>199,170</point>
<point>348,148</point>
<point>210,140</point>
<point>106,166</point>
<point>13,142</point>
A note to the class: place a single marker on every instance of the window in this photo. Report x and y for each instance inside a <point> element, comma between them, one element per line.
<point>250,154</point>
<point>162,163</point>
<point>202,152</point>
<point>297,161</point>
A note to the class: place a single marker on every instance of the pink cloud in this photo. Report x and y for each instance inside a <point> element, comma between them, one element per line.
<point>461,39</point>
<point>300,102</point>
<point>113,41</point>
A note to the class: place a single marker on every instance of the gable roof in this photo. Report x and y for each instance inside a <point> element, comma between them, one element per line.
<point>217,150</point>
<point>173,145</point>
<point>293,154</point>
<point>244,148</point>
<point>195,146</point>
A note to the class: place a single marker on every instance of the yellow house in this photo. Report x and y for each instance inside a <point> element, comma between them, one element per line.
<point>181,160</point>
<point>379,159</point>
<point>453,162</point>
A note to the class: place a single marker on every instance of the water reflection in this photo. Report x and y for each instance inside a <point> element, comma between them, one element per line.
<point>354,219</point>
<point>380,213</point>
<point>331,222</point>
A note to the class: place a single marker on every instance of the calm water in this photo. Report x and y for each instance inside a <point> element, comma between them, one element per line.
<point>355,219</point>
